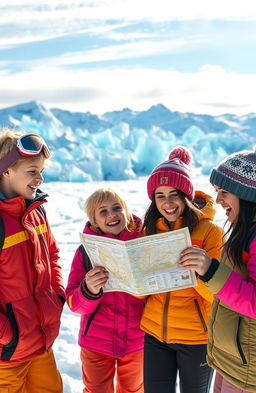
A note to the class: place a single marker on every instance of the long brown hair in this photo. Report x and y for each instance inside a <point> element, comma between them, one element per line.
<point>190,215</point>
<point>238,232</point>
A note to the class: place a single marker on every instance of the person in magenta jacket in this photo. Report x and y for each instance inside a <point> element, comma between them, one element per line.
<point>232,328</point>
<point>109,334</point>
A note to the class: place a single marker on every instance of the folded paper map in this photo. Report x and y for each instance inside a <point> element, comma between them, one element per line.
<point>142,266</point>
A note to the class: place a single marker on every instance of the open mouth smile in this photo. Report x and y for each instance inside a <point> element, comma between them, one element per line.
<point>171,211</point>
<point>113,223</point>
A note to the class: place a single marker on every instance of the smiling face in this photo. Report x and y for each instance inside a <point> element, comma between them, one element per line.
<point>169,203</point>
<point>110,216</point>
<point>229,202</point>
<point>24,178</point>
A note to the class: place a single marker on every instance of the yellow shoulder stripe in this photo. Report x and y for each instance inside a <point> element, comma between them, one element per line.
<point>22,236</point>
<point>41,229</point>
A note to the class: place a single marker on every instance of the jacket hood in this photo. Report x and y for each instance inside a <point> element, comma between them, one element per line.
<point>206,204</point>
<point>134,230</point>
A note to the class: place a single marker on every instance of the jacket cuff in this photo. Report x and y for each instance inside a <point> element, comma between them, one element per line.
<point>88,294</point>
<point>211,271</point>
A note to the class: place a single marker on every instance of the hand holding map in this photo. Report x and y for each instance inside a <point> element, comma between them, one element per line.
<point>142,266</point>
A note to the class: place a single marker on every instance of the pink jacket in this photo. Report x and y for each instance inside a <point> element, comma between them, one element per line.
<point>109,323</point>
<point>234,290</point>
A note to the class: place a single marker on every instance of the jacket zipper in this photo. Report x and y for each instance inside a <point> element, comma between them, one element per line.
<point>200,315</point>
<point>45,246</point>
<point>40,307</point>
<point>165,316</point>
<point>239,346</point>
<point>90,320</point>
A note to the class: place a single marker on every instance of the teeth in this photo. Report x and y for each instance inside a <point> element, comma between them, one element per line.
<point>170,211</point>
<point>113,223</point>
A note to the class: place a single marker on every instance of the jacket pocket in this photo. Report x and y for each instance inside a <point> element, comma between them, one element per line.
<point>90,319</point>
<point>239,346</point>
<point>9,349</point>
<point>51,305</point>
<point>200,314</point>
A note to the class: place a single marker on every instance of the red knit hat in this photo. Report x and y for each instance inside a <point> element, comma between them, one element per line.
<point>173,172</point>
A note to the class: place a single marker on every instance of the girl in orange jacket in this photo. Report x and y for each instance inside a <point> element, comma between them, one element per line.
<point>176,322</point>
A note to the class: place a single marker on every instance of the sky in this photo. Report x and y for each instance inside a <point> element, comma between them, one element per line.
<point>104,55</point>
<point>67,219</point>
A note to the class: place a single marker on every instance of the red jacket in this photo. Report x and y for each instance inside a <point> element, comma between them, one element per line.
<point>31,288</point>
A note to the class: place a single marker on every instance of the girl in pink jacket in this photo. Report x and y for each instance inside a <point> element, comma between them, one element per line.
<point>232,326</point>
<point>110,339</point>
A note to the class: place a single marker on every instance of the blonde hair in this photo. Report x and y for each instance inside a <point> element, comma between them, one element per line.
<point>8,140</point>
<point>105,194</point>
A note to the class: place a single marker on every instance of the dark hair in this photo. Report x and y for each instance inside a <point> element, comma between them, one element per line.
<point>190,215</point>
<point>239,231</point>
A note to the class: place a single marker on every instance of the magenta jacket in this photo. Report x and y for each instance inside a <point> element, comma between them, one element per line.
<point>109,323</point>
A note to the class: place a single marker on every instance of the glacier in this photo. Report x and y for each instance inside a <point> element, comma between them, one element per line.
<point>124,145</point>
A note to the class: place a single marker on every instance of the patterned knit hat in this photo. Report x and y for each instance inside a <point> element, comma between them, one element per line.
<point>237,175</point>
<point>173,172</point>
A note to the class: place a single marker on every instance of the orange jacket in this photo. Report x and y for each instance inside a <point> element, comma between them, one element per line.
<point>181,316</point>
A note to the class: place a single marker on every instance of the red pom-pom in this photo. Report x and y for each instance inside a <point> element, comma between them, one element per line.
<point>182,153</point>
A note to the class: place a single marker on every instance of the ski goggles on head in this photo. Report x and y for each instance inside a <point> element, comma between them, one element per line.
<point>29,145</point>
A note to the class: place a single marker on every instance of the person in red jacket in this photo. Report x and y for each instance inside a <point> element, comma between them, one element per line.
<point>31,288</point>
<point>176,322</point>
<point>110,337</point>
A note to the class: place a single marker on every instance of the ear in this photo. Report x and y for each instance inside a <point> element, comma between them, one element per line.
<point>6,173</point>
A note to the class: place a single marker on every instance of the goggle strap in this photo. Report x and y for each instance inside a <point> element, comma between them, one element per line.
<point>9,160</point>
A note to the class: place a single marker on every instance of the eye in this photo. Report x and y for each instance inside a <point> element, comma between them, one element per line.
<point>117,209</point>
<point>103,212</point>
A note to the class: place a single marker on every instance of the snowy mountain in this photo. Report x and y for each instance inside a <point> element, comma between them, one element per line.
<point>121,145</point>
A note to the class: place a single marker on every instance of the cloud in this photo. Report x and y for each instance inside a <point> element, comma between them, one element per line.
<point>211,90</point>
<point>116,52</point>
<point>126,50</point>
<point>128,9</point>
<point>28,21</point>
<point>102,55</point>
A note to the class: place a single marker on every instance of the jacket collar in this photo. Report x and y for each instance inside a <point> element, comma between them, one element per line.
<point>18,205</point>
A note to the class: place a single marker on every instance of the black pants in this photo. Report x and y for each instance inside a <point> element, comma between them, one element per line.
<point>162,363</point>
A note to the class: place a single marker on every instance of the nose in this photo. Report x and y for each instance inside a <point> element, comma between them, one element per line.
<point>169,201</point>
<point>111,213</point>
<point>218,198</point>
<point>39,177</point>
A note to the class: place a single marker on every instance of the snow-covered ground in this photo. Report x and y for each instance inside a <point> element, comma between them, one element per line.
<point>66,215</point>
